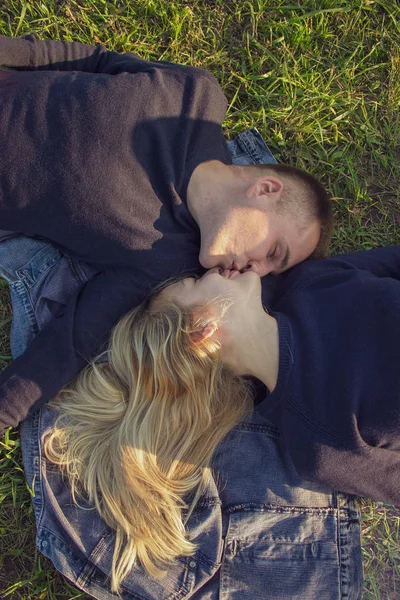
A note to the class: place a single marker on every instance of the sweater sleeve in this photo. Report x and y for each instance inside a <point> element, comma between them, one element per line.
<point>63,347</point>
<point>373,472</point>
<point>381,262</point>
<point>340,413</point>
<point>30,54</point>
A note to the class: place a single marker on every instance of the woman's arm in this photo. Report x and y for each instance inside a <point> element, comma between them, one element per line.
<point>382,262</point>
<point>339,415</point>
<point>30,54</point>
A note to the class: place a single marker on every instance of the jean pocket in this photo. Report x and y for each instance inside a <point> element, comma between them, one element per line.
<point>283,554</point>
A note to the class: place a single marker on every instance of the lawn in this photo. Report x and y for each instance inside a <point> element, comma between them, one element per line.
<point>320,79</point>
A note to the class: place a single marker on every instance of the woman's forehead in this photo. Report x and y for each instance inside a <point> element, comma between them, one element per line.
<point>174,292</point>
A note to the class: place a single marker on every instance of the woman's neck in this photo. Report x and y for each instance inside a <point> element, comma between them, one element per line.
<point>264,352</point>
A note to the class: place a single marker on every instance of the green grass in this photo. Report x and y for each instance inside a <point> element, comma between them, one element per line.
<point>320,79</point>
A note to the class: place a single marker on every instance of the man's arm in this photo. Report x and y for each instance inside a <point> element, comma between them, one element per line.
<point>30,54</point>
<point>373,472</point>
<point>64,346</point>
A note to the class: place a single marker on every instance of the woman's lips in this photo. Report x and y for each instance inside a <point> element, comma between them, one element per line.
<point>225,273</point>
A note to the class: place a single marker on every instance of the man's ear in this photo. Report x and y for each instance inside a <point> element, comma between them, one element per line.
<point>265,186</point>
<point>206,332</point>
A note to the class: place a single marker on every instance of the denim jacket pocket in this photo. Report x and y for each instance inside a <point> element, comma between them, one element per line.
<point>281,554</point>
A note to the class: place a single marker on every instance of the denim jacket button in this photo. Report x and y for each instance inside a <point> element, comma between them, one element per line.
<point>191,576</point>
<point>192,564</point>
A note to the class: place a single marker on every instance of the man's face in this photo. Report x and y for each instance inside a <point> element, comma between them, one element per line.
<point>261,241</point>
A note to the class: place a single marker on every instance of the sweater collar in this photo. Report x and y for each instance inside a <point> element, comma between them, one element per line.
<point>286,362</point>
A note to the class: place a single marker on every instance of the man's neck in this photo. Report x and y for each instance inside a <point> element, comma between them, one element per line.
<point>202,183</point>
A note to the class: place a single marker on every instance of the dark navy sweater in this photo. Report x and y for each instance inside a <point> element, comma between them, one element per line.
<point>97,150</point>
<point>337,399</point>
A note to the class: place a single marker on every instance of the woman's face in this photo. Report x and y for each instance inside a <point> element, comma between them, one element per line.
<point>233,313</point>
<point>238,294</point>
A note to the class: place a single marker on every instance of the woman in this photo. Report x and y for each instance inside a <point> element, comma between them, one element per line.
<point>329,355</point>
<point>165,395</point>
<point>138,432</point>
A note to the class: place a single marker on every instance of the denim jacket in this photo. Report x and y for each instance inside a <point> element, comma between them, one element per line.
<point>261,531</point>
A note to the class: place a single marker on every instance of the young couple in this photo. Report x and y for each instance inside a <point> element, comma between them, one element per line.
<point>140,429</point>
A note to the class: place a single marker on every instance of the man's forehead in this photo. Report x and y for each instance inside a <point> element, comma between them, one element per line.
<point>298,243</point>
<point>302,235</point>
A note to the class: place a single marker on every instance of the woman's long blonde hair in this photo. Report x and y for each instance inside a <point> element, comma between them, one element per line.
<point>137,433</point>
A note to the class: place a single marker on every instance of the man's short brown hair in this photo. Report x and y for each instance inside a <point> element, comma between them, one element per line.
<point>311,202</point>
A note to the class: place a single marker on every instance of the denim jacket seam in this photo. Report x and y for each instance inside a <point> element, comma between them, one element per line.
<point>258,428</point>
<point>263,507</point>
<point>205,503</point>
<point>77,270</point>
<point>86,575</point>
<point>347,515</point>
<point>202,559</point>
<point>37,480</point>
<point>90,566</point>
<point>41,463</point>
<point>20,288</point>
<point>251,147</point>
<point>23,271</point>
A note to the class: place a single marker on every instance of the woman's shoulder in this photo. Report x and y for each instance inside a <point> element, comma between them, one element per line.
<point>375,269</point>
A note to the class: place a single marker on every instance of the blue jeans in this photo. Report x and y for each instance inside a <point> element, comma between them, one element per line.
<point>262,532</point>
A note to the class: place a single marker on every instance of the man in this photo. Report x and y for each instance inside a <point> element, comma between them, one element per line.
<point>122,164</point>
<point>258,500</point>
